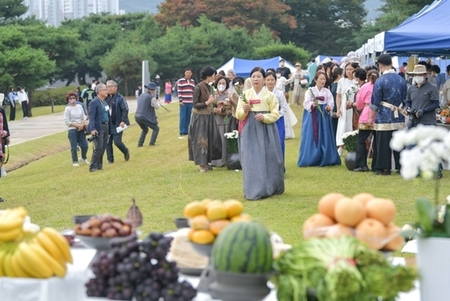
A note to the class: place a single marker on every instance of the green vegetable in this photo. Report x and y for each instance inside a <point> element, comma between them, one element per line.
<point>339,269</point>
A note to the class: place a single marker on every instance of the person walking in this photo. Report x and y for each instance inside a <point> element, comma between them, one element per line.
<point>204,141</point>
<point>298,94</point>
<point>145,115</point>
<point>75,120</point>
<point>168,91</point>
<point>23,100</point>
<point>388,97</point>
<point>118,111</point>
<point>98,126</point>
<point>13,99</point>
<point>185,92</point>
<point>259,142</point>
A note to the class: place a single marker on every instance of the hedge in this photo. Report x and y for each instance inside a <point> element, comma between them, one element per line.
<point>41,98</point>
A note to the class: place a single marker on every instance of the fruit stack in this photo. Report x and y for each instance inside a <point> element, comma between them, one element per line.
<point>209,217</point>
<point>364,216</point>
<point>30,254</point>
<point>138,269</point>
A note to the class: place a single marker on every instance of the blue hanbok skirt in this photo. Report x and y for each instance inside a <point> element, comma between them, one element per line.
<point>318,146</point>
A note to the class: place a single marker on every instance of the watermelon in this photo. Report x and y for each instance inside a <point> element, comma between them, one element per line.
<point>243,247</point>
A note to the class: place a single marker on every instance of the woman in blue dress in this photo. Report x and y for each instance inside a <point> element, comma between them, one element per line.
<point>317,146</point>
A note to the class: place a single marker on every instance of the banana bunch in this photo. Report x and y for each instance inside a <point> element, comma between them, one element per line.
<point>41,255</point>
<point>11,224</point>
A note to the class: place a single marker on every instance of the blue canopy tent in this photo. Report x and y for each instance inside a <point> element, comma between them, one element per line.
<point>427,34</point>
<point>244,67</point>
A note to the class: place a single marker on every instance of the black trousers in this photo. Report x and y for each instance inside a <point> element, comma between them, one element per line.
<point>117,139</point>
<point>99,147</point>
<point>383,154</point>
<point>12,113</point>
<point>361,150</point>
<point>25,109</point>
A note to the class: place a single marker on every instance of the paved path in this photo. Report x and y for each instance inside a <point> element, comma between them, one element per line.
<point>37,127</point>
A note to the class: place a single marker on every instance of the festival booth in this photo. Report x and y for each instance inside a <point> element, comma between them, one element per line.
<point>321,57</point>
<point>243,67</point>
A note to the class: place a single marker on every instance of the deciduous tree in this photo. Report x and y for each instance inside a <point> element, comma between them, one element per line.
<point>242,13</point>
<point>325,26</point>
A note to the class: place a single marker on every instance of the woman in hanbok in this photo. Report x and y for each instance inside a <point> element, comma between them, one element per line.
<point>204,142</point>
<point>317,146</point>
<point>282,107</point>
<point>259,143</point>
<point>346,91</point>
<point>222,112</point>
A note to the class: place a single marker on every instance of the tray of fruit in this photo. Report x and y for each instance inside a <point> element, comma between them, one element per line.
<point>98,231</point>
<point>364,216</point>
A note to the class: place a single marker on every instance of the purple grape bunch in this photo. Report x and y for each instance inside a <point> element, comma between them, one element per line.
<point>140,270</point>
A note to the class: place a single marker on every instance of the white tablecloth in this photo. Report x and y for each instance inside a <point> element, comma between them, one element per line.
<point>71,288</point>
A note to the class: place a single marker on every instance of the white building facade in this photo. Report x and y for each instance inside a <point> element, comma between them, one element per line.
<point>53,12</point>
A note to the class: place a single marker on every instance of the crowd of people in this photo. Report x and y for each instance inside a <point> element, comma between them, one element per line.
<point>336,99</point>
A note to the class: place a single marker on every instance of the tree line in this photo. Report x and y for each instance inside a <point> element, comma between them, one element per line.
<point>185,33</point>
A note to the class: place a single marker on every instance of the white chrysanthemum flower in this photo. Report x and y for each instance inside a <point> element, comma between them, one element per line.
<point>409,172</point>
<point>398,140</point>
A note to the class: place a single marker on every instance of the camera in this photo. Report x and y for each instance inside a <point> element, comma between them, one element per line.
<point>411,112</point>
<point>92,138</point>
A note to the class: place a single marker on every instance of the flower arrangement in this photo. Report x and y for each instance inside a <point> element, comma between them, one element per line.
<point>316,103</point>
<point>211,89</point>
<point>350,139</point>
<point>351,91</point>
<point>426,148</point>
<point>231,140</point>
<point>241,94</point>
<point>445,113</point>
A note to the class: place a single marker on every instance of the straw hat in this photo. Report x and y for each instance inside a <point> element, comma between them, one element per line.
<point>418,70</point>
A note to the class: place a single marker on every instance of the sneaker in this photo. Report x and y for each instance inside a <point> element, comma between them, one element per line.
<point>84,161</point>
<point>127,156</point>
<point>75,164</point>
<point>181,137</point>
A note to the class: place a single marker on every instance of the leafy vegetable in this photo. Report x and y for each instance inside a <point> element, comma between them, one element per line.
<point>339,269</point>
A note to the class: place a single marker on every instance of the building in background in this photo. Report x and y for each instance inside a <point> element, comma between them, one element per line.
<point>53,12</point>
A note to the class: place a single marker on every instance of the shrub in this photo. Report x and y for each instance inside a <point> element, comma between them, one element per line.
<point>41,98</point>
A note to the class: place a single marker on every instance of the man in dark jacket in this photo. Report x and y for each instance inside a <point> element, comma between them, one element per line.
<point>118,109</point>
<point>145,114</point>
<point>98,126</point>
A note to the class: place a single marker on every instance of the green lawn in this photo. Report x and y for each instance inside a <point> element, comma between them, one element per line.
<point>163,180</point>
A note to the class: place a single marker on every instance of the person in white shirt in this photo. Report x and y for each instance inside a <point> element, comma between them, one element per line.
<point>23,100</point>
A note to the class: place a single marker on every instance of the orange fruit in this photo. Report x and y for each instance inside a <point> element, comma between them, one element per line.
<point>383,210</point>
<point>216,211</point>
<point>339,230</point>
<point>363,197</point>
<point>212,203</point>
<point>193,209</point>
<point>217,226</point>
<point>349,212</point>
<point>200,222</point>
<point>396,240</point>
<point>234,208</point>
<point>311,227</point>
<point>202,237</point>
<point>372,232</point>
<point>328,202</point>
<point>190,234</point>
<point>241,218</point>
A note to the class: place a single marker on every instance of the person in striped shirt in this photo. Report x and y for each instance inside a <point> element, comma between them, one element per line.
<point>185,90</point>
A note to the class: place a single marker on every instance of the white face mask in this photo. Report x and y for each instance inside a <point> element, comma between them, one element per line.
<point>221,88</point>
<point>278,75</point>
<point>418,79</point>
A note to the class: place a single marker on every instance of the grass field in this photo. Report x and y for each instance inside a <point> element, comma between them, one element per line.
<point>163,180</point>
